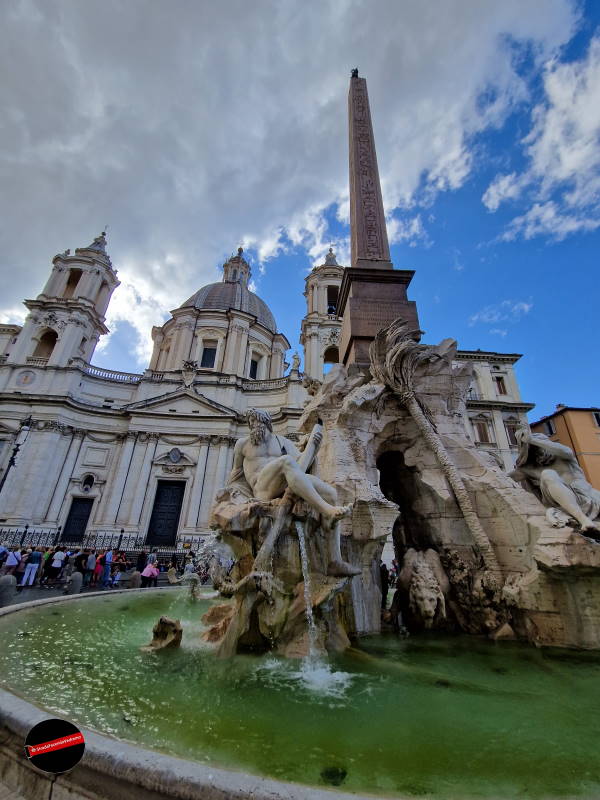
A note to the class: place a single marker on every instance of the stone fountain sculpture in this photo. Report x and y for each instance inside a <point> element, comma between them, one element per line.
<point>478,552</point>
<point>502,566</point>
<point>283,526</point>
<point>551,471</point>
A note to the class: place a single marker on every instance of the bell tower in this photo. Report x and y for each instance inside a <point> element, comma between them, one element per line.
<point>320,334</point>
<point>66,320</point>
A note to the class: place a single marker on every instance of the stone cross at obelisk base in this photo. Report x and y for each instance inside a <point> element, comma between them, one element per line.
<point>373,293</point>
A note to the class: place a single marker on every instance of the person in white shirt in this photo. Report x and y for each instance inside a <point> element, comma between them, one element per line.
<point>13,559</point>
<point>58,559</point>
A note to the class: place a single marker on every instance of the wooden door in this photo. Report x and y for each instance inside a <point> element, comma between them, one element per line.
<point>162,530</point>
<point>77,521</point>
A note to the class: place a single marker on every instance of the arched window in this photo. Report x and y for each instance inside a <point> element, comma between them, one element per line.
<point>45,345</point>
<point>74,276</point>
<point>331,356</point>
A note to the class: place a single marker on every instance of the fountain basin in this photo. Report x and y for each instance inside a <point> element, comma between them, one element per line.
<point>446,717</point>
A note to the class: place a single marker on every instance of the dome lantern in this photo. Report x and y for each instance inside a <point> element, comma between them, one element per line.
<point>237,269</point>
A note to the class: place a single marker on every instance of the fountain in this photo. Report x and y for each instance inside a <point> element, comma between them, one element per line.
<point>274,689</point>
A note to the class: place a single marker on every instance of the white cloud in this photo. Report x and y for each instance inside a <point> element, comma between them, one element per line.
<point>503,187</point>
<point>547,219</point>
<point>13,316</point>
<point>220,124</point>
<point>498,331</point>
<point>562,180</point>
<point>412,231</point>
<point>504,311</point>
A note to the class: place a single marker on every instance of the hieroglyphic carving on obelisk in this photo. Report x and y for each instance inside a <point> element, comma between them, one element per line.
<point>367,219</point>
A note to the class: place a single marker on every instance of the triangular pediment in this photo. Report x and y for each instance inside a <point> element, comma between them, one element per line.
<point>182,401</point>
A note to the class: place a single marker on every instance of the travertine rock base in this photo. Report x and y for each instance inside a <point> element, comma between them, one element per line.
<point>549,588</point>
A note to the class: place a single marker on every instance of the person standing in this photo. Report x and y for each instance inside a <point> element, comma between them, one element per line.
<point>33,563</point>
<point>98,570</point>
<point>12,561</point>
<point>58,560</point>
<point>90,566</point>
<point>141,561</point>
<point>385,584</point>
<point>20,570</point>
<point>153,557</point>
<point>108,557</point>
<point>149,575</point>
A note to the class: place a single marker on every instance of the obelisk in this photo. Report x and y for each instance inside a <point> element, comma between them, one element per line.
<point>372,293</point>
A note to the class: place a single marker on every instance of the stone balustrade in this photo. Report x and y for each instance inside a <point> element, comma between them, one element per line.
<point>273,383</point>
<point>32,361</point>
<point>111,374</point>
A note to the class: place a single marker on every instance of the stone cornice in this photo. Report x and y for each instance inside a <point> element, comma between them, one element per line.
<point>500,404</point>
<point>485,355</point>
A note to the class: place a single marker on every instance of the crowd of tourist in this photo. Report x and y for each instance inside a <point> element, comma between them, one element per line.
<point>52,567</point>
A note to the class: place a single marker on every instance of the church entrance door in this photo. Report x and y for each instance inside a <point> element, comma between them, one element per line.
<point>77,521</point>
<point>162,530</point>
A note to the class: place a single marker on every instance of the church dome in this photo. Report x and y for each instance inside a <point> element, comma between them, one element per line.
<point>223,296</point>
<point>233,293</point>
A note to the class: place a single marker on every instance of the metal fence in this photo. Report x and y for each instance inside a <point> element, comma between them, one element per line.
<point>130,543</point>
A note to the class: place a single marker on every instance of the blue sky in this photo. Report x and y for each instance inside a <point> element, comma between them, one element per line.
<point>487,122</point>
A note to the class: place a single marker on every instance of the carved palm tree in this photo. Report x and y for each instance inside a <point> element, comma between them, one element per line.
<point>395,355</point>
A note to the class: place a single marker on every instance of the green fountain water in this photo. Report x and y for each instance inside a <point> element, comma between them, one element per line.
<point>444,717</point>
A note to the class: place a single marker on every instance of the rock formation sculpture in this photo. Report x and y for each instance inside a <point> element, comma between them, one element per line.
<point>166,633</point>
<point>282,524</point>
<point>395,446</point>
<point>190,579</point>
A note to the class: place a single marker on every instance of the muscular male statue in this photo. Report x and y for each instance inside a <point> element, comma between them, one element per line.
<point>270,463</point>
<point>554,471</point>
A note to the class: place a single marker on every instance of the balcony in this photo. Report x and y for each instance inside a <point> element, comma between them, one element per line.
<point>110,374</point>
<point>33,361</point>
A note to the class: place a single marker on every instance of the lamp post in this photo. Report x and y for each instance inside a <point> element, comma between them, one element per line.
<point>19,442</point>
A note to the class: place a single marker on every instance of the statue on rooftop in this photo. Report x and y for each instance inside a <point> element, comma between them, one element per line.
<point>553,472</point>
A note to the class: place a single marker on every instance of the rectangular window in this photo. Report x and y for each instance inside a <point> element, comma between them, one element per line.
<point>549,428</point>
<point>332,299</point>
<point>500,385</point>
<point>596,415</point>
<point>209,354</point>
<point>510,432</point>
<point>482,431</point>
<point>253,369</point>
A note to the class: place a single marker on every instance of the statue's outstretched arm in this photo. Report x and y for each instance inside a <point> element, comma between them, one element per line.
<point>553,448</point>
